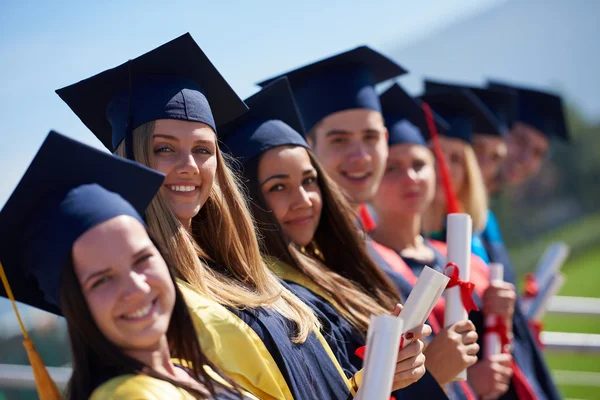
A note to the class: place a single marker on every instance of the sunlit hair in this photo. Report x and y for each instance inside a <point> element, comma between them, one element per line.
<point>348,275</point>
<point>220,257</point>
<point>472,197</point>
<point>97,360</point>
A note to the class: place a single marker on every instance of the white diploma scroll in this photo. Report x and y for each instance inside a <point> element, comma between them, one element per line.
<point>542,301</point>
<point>458,239</point>
<point>550,263</point>
<point>492,341</point>
<point>422,299</point>
<point>383,340</point>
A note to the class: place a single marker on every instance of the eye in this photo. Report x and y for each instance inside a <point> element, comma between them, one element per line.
<point>338,140</point>
<point>277,188</point>
<point>202,150</point>
<point>101,281</point>
<point>310,180</point>
<point>391,168</point>
<point>143,259</point>
<point>163,149</point>
<point>418,164</point>
<point>372,137</point>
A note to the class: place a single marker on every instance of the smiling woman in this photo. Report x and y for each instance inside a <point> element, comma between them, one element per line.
<point>125,316</point>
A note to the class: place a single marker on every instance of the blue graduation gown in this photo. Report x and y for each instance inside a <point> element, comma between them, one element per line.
<point>307,367</point>
<point>526,352</point>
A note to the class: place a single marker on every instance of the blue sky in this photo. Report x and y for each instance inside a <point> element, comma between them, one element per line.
<point>45,45</point>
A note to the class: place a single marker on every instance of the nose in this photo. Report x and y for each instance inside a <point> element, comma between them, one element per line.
<point>301,200</point>
<point>187,165</point>
<point>136,287</point>
<point>359,154</point>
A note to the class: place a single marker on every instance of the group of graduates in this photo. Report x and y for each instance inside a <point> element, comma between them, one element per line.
<point>232,249</point>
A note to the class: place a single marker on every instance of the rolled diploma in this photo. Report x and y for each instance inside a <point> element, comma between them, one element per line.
<point>458,240</point>
<point>492,342</point>
<point>423,297</point>
<point>381,355</point>
<point>550,263</point>
<point>541,302</point>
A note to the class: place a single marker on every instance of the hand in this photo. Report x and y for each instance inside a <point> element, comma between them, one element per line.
<point>490,378</point>
<point>452,350</point>
<point>410,365</point>
<point>499,299</point>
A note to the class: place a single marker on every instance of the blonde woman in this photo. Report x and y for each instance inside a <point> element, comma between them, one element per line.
<point>162,109</point>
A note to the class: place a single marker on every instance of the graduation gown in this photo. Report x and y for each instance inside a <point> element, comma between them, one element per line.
<point>342,337</point>
<point>253,347</point>
<point>127,387</point>
<point>395,267</point>
<point>526,352</point>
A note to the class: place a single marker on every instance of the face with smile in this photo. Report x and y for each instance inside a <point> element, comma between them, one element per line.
<point>289,184</point>
<point>185,152</point>
<point>408,185</point>
<point>527,149</point>
<point>128,289</point>
<point>491,151</point>
<point>352,147</point>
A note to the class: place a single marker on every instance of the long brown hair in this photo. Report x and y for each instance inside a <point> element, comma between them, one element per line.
<point>96,359</point>
<point>348,275</point>
<point>223,232</point>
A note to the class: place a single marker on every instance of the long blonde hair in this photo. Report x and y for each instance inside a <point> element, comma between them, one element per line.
<point>222,236</point>
<point>472,197</point>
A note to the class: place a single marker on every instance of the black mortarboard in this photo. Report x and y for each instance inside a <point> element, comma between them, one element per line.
<point>273,120</point>
<point>173,81</point>
<point>405,118</point>
<point>542,110</point>
<point>502,103</point>
<point>464,112</point>
<point>68,188</point>
<point>342,82</point>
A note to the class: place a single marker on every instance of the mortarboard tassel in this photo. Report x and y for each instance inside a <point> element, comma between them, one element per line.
<point>452,204</point>
<point>46,387</point>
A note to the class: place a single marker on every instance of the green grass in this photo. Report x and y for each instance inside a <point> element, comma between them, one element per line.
<point>582,270</point>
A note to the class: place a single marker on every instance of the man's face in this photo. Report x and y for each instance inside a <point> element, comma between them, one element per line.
<point>527,149</point>
<point>352,146</point>
<point>491,152</point>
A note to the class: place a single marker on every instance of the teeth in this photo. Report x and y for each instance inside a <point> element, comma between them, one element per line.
<point>357,175</point>
<point>177,188</point>
<point>142,312</point>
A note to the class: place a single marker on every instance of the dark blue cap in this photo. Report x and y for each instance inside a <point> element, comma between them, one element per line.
<point>542,110</point>
<point>173,81</point>
<point>345,81</point>
<point>465,113</point>
<point>502,103</point>
<point>405,118</point>
<point>68,189</point>
<point>273,120</point>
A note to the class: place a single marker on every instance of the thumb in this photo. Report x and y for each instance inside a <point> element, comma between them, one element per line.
<point>397,310</point>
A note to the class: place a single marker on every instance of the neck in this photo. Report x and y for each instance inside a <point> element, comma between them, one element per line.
<point>158,358</point>
<point>187,223</point>
<point>398,232</point>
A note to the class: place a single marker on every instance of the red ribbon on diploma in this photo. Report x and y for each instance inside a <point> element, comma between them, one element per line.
<point>531,286</point>
<point>466,288</point>
<point>361,351</point>
<point>501,329</point>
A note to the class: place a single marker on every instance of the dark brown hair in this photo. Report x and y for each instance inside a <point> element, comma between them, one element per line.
<point>96,359</point>
<point>349,276</point>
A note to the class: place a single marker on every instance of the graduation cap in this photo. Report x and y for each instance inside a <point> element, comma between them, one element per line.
<point>542,110</point>
<point>173,81</point>
<point>502,103</point>
<point>273,120</point>
<point>68,188</point>
<point>405,118</point>
<point>342,82</point>
<point>464,112</point>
